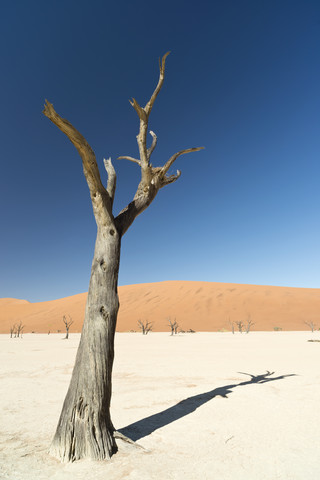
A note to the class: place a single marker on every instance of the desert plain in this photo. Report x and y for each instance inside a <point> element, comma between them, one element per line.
<point>209,405</point>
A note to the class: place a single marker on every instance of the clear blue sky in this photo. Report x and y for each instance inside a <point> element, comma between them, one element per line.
<point>242,80</point>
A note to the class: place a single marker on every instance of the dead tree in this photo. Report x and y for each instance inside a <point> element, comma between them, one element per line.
<point>85,429</point>
<point>19,330</point>
<point>232,326</point>
<point>145,327</point>
<point>312,325</point>
<point>249,324</point>
<point>240,326</point>
<point>173,326</point>
<point>68,324</point>
<point>13,330</point>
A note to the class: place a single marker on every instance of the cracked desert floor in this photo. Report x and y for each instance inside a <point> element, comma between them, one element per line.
<point>209,406</point>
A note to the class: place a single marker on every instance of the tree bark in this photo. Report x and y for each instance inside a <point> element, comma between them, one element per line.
<point>85,429</point>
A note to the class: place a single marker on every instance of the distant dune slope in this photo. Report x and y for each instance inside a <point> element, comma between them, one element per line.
<point>202,306</point>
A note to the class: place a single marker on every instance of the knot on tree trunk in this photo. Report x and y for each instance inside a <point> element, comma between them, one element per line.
<point>104,313</point>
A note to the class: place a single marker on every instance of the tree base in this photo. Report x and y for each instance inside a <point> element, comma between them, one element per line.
<point>65,453</point>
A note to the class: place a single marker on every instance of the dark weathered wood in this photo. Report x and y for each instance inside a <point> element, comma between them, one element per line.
<point>85,429</point>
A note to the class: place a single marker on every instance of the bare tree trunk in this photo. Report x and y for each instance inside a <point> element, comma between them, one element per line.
<point>85,429</point>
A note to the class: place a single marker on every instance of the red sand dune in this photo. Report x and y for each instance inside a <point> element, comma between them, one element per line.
<point>202,306</point>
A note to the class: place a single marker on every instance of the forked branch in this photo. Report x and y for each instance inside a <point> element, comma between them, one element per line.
<point>174,157</point>
<point>143,113</point>
<point>152,178</point>
<point>166,179</point>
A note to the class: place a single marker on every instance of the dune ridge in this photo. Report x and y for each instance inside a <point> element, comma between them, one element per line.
<point>201,306</point>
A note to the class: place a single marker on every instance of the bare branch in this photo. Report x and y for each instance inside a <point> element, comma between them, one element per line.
<point>152,178</point>
<point>131,159</point>
<point>66,322</point>
<point>154,143</point>
<point>162,65</point>
<point>140,111</point>
<point>112,179</point>
<point>174,157</point>
<point>143,114</point>
<point>90,167</point>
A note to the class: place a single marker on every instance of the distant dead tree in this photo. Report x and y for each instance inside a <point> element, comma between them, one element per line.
<point>173,326</point>
<point>249,324</point>
<point>13,330</point>
<point>145,327</point>
<point>19,330</point>
<point>191,331</point>
<point>68,324</point>
<point>312,325</point>
<point>232,326</point>
<point>240,326</point>
<point>85,429</point>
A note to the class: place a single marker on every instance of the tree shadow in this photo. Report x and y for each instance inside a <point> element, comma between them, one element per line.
<point>137,430</point>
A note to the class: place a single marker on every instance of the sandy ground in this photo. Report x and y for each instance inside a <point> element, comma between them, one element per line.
<point>201,306</point>
<point>201,405</point>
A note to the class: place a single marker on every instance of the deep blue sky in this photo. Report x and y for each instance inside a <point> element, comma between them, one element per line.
<point>242,80</point>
